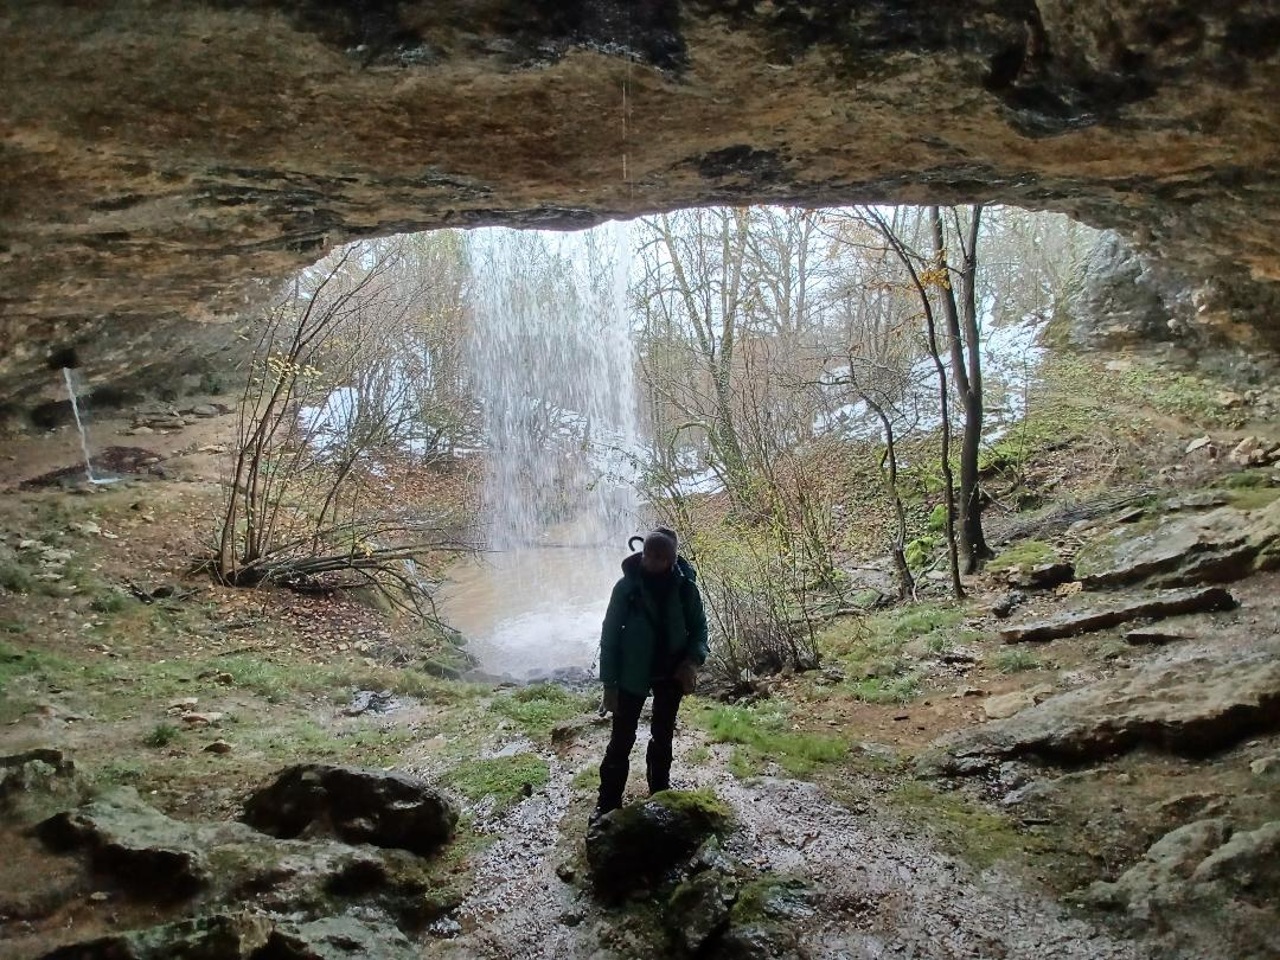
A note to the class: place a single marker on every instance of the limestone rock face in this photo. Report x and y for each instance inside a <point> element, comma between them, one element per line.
<point>1219,546</point>
<point>159,163</point>
<point>1184,704</point>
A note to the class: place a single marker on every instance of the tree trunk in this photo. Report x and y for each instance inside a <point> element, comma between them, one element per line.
<point>966,371</point>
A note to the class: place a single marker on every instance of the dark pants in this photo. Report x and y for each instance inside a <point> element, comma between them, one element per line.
<point>617,757</point>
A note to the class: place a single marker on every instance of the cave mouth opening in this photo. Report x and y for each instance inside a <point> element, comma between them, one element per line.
<point>573,367</point>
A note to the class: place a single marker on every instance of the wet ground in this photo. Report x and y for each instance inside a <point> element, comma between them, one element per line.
<point>880,891</point>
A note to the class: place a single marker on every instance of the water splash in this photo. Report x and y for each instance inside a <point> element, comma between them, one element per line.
<point>552,352</point>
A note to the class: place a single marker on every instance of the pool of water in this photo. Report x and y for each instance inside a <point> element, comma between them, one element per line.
<point>531,611</point>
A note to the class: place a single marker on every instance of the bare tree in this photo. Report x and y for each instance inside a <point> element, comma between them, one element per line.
<point>301,509</point>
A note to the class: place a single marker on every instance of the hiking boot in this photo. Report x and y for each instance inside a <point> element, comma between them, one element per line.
<point>596,814</point>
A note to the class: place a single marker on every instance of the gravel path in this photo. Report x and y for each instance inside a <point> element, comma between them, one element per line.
<point>881,892</point>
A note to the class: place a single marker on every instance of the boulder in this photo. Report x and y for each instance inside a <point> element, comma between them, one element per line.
<point>1185,548</point>
<point>221,936</point>
<point>1160,876</point>
<point>139,845</point>
<point>1136,606</point>
<point>1248,862</point>
<point>639,843</point>
<point>699,908</point>
<point>355,804</point>
<point>339,938</point>
<point>1007,704</point>
<point>30,780</point>
<point>1202,859</point>
<point>1186,705</point>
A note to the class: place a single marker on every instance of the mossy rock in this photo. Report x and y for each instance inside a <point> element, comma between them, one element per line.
<point>1025,555</point>
<point>642,843</point>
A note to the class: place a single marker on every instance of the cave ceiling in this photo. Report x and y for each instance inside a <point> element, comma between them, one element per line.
<point>159,162</point>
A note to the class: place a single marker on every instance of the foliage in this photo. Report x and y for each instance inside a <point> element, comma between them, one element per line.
<point>506,779</point>
<point>161,735</point>
<point>332,388</point>
<point>15,576</point>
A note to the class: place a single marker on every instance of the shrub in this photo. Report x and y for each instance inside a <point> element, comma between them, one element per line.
<point>161,735</point>
<point>1015,660</point>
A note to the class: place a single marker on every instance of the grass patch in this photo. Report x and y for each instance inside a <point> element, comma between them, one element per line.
<point>1015,660</point>
<point>587,779</point>
<point>1029,553</point>
<point>898,689</point>
<point>161,735</point>
<point>110,600</point>
<point>16,578</point>
<point>304,739</point>
<point>538,708</point>
<point>960,826</point>
<point>761,735</point>
<point>1253,498</point>
<point>506,779</point>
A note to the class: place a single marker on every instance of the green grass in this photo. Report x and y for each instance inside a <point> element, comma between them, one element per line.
<point>1253,498</point>
<point>161,735</point>
<point>895,689</point>
<point>15,577</point>
<point>763,733</point>
<point>110,600</point>
<point>506,779</point>
<point>587,779</point>
<point>1029,553</point>
<point>538,708</point>
<point>1015,660</point>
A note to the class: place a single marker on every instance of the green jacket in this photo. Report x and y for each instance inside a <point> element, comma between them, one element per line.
<point>627,637</point>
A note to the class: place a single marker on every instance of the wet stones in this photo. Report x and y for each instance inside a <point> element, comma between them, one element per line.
<point>28,778</point>
<point>1204,859</point>
<point>132,841</point>
<point>355,804</point>
<point>638,844</point>
<point>699,908</point>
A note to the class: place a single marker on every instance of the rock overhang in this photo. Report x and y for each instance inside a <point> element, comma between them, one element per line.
<point>163,162</point>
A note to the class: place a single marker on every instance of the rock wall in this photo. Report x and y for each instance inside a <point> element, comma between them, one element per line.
<point>159,162</point>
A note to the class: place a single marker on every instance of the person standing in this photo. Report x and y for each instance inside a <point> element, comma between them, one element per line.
<point>653,639</point>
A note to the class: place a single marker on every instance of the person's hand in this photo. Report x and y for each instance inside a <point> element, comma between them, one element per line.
<point>609,703</point>
<point>686,676</point>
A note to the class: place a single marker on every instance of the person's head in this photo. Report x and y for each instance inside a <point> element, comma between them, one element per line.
<point>659,554</point>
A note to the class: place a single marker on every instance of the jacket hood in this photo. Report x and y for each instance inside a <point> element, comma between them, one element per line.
<point>631,567</point>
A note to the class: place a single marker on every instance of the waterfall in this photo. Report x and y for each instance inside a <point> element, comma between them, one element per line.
<point>84,436</point>
<point>552,361</point>
<point>552,355</point>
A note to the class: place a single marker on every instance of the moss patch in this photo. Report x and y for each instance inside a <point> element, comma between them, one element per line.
<point>540,707</point>
<point>960,826</point>
<point>1029,553</point>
